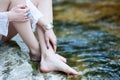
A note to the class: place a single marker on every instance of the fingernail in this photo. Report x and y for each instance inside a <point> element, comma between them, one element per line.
<point>25,5</point>
<point>47,47</point>
<point>28,14</point>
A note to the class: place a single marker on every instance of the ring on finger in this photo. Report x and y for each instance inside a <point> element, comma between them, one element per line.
<point>28,14</point>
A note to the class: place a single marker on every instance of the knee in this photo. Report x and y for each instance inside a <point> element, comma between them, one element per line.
<point>4,4</point>
<point>15,3</point>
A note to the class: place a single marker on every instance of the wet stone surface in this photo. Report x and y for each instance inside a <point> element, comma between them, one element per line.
<point>15,65</point>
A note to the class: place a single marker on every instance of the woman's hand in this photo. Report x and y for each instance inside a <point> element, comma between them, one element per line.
<point>18,13</point>
<point>50,39</point>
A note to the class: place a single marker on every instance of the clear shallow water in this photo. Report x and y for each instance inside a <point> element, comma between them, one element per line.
<point>91,51</point>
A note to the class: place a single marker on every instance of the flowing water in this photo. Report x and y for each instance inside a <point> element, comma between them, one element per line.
<point>90,50</point>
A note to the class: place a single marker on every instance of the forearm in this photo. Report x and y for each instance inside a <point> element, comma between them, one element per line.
<point>45,6</point>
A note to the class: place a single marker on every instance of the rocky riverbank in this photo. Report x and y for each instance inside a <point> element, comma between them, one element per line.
<point>15,65</point>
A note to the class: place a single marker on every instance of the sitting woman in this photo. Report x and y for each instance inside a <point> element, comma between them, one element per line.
<point>42,48</point>
<point>15,14</point>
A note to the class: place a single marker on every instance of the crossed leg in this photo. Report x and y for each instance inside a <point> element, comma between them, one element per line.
<point>49,62</point>
<point>23,28</point>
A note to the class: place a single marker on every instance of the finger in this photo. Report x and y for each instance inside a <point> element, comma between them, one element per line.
<point>53,43</point>
<point>24,20</point>
<point>27,9</point>
<point>55,47</point>
<point>47,42</point>
<point>28,14</point>
<point>22,6</point>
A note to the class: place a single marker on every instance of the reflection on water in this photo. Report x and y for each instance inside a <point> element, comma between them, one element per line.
<point>91,51</point>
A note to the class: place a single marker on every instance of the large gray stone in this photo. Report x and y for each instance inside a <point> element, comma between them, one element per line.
<point>15,65</point>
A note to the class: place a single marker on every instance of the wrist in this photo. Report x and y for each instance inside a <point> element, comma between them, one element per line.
<point>48,27</point>
<point>9,16</point>
<point>49,30</point>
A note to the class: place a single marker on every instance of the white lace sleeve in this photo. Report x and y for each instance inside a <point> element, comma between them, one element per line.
<point>4,23</point>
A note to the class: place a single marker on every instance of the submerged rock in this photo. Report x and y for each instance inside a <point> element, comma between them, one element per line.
<point>15,65</point>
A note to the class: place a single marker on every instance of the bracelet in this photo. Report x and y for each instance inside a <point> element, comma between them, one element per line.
<point>48,26</point>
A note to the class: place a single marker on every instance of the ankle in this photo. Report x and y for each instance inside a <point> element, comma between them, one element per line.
<point>34,55</point>
<point>35,51</point>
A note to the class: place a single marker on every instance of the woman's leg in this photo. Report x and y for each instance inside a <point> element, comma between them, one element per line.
<point>49,61</point>
<point>11,33</point>
<point>24,29</point>
<point>45,6</point>
<point>4,4</point>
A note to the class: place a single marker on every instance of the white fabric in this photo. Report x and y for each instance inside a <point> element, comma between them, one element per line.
<point>4,23</point>
<point>36,14</point>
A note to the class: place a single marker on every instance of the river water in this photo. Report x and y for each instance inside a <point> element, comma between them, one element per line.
<point>89,49</point>
<point>88,36</point>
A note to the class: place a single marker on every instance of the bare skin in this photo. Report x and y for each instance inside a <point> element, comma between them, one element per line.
<point>14,28</point>
<point>45,6</point>
<point>49,61</point>
<point>17,13</point>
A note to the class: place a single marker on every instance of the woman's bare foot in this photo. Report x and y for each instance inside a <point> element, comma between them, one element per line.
<point>49,62</point>
<point>37,58</point>
<point>61,58</point>
<point>58,56</point>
